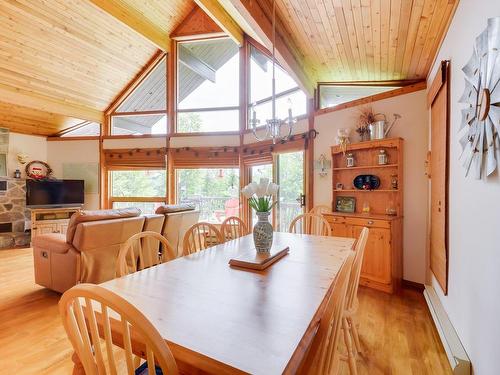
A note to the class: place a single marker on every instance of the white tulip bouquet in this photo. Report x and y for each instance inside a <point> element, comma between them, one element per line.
<point>261,196</point>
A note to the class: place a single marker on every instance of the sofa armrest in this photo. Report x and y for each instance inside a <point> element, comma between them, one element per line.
<point>55,242</point>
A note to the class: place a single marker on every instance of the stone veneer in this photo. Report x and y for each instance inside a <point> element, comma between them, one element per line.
<point>13,210</point>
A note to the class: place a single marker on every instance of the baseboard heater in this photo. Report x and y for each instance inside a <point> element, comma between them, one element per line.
<point>458,358</point>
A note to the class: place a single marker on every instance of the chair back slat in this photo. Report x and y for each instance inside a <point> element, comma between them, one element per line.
<point>233,227</point>
<point>359,249</point>
<point>323,357</point>
<point>100,304</point>
<point>133,258</point>
<point>108,339</point>
<point>310,224</point>
<point>201,236</point>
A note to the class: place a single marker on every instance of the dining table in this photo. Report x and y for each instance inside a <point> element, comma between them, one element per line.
<point>219,319</point>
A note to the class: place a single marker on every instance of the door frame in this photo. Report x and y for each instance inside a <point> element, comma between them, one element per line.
<point>440,82</point>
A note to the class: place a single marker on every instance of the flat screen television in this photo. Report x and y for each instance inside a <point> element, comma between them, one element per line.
<point>54,193</point>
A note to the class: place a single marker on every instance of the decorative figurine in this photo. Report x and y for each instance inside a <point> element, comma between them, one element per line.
<point>394,181</point>
<point>382,157</point>
<point>350,160</point>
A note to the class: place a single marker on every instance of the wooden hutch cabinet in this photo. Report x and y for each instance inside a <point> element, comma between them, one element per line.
<point>380,209</point>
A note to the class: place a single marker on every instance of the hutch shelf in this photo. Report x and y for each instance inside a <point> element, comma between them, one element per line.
<point>381,209</point>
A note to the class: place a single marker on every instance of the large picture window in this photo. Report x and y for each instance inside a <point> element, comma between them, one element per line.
<point>144,189</point>
<point>288,93</point>
<point>215,192</point>
<point>208,86</point>
<point>144,110</point>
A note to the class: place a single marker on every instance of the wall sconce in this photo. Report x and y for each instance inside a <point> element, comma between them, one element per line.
<point>323,165</point>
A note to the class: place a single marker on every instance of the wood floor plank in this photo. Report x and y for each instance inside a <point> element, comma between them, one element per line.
<point>396,331</point>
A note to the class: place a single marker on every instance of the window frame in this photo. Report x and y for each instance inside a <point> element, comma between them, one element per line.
<point>113,112</point>
<point>112,199</point>
<point>248,45</point>
<point>206,109</point>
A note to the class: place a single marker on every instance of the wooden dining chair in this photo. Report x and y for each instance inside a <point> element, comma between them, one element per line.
<point>323,357</point>
<point>90,311</point>
<point>320,209</point>
<point>136,254</point>
<point>310,224</point>
<point>349,324</point>
<point>233,227</point>
<point>200,236</point>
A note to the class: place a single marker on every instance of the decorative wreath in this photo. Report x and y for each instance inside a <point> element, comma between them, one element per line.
<point>38,170</point>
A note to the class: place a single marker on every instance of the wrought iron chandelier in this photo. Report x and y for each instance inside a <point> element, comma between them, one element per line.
<point>273,126</point>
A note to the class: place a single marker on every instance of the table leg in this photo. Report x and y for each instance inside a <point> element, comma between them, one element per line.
<point>77,365</point>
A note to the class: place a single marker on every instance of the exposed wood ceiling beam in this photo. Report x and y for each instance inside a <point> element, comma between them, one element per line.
<point>222,18</point>
<point>136,21</point>
<point>17,96</point>
<point>286,51</point>
<point>196,64</point>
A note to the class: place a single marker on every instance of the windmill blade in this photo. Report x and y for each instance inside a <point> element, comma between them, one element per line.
<point>470,94</point>
<point>491,163</point>
<point>493,46</point>
<point>478,152</point>
<point>494,85</point>
<point>471,69</point>
<point>494,115</point>
<point>482,53</point>
<point>468,115</point>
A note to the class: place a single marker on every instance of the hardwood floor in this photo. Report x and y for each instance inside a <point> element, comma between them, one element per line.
<point>397,334</point>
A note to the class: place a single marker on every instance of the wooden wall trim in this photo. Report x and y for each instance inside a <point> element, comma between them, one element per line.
<point>438,82</point>
<point>81,138</point>
<point>422,85</point>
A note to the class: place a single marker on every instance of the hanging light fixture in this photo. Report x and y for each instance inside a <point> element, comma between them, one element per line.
<point>274,124</point>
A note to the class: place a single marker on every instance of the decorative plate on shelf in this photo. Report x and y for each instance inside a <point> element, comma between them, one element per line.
<point>481,118</point>
<point>366,182</point>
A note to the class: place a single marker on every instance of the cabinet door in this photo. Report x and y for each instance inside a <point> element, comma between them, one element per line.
<point>377,257</point>
<point>340,230</point>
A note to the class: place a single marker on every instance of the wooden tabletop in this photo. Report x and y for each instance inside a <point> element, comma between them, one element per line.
<point>225,320</point>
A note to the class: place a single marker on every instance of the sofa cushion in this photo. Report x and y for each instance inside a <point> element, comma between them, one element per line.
<point>169,208</point>
<point>83,216</point>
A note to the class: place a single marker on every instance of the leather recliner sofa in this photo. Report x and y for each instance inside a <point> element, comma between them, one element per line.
<point>89,250</point>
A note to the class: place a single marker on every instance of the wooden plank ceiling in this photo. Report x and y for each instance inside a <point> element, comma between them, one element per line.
<point>62,59</point>
<point>364,40</point>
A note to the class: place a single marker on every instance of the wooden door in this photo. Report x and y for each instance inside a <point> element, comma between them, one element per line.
<point>377,257</point>
<point>438,100</point>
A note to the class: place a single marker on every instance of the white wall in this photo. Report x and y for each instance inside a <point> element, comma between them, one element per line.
<point>413,128</point>
<point>33,146</point>
<point>60,152</point>
<point>473,302</point>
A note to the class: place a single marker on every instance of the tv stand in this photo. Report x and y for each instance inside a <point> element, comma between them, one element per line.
<point>50,220</point>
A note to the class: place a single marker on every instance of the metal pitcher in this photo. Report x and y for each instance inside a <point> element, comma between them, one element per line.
<point>379,129</point>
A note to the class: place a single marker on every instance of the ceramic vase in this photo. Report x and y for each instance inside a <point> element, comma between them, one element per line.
<point>263,233</point>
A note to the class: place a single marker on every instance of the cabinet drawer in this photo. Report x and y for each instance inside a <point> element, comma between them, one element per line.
<point>335,219</point>
<point>368,222</point>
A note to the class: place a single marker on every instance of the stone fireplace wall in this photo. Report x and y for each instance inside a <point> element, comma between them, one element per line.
<point>13,210</point>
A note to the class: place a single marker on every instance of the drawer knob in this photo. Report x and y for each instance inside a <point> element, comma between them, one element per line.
<point>370,222</point>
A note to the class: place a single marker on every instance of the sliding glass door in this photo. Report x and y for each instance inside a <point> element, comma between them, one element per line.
<point>287,170</point>
<point>291,198</point>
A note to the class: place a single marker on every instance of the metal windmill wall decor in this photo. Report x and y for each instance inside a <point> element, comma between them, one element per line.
<point>480,125</point>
